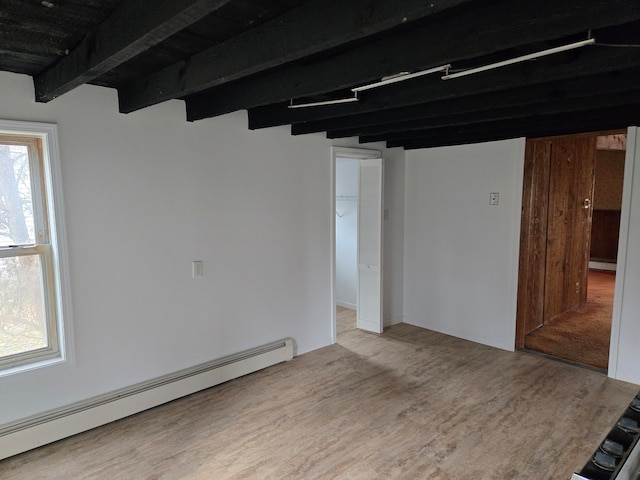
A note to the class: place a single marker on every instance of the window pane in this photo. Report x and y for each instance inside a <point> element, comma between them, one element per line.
<point>22,318</point>
<point>16,206</point>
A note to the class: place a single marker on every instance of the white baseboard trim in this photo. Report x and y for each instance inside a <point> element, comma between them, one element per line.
<point>611,267</point>
<point>392,321</point>
<point>350,306</point>
<point>626,376</point>
<point>38,430</point>
<point>502,344</point>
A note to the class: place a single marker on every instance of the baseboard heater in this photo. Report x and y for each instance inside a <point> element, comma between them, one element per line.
<point>48,427</point>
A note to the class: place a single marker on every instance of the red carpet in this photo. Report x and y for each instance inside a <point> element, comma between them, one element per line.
<point>581,336</point>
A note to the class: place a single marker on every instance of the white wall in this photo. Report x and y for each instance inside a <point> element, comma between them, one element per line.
<point>347,170</point>
<point>624,361</point>
<point>461,254</point>
<point>146,194</point>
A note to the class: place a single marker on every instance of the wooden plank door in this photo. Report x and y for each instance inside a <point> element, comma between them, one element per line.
<point>559,226</point>
<point>583,219</point>
<point>569,224</point>
<point>556,229</point>
<point>533,237</point>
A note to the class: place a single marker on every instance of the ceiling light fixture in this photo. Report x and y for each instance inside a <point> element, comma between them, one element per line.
<point>44,3</point>
<point>326,102</point>
<point>523,58</point>
<point>400,78</point>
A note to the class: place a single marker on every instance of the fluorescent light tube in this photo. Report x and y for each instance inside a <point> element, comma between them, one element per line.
<point>523,58</point>
<point>327,102</point>
<point>400,78</point>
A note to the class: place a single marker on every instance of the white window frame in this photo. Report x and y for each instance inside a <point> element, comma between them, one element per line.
<point>51,247</point>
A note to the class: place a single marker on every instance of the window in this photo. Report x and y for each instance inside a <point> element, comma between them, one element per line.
<point>30,298</point>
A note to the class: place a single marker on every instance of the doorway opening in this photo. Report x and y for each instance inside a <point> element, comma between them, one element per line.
<point>346,286</point>
<point>572,199</point>
<point>357,245</point>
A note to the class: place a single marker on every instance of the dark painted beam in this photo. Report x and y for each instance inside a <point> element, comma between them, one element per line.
<point>532,111</point>
<point>596,120</point>
<point>500,25</point>
<point>585,62</point>
<point>572,93</point>
<point>612,124</point>
<point>309,29</point>
<point>132,28</point>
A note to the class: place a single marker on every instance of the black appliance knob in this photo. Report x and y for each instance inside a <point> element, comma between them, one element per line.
<point>604,461</point>
<point>629,425</point>
<point>612,448</point>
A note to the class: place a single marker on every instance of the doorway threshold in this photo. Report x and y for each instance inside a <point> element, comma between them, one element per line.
<point>562,360</point>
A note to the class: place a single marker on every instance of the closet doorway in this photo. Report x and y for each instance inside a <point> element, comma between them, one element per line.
<point>357,253</point>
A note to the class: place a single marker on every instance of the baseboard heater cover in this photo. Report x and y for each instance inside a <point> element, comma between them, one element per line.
<point>48,427</point>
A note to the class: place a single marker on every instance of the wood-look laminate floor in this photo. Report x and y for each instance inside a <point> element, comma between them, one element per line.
<point>408,404</point>
<point>345,320</point>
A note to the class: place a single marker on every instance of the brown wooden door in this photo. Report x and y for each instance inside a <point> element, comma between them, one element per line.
<point>556,229</point>
<point>533,235</point>
<point>569,224</point>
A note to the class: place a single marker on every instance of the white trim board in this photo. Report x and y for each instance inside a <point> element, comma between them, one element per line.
<point>33,432</point>
<point>610,267</point>
<point>621,263</point>
<point>393,321</point>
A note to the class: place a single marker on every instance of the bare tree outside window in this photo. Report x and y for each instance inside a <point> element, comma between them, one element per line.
<point>23,325</point>
<point>15,195</point>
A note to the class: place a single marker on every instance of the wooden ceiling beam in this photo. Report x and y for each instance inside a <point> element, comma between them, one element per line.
<point>131,29</point>
<point>309,29</point>
<point>532,112</point>
<point>413,117</point>
<point>417,95</point>
<point>498,26</point>
<point>543,126</point>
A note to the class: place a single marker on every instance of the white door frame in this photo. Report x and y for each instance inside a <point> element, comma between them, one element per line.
<point>625,219</point>
<point>341,152</point>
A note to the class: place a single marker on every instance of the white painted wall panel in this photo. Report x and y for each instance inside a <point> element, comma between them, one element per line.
<point>148,193</point>
<point>461,254</point>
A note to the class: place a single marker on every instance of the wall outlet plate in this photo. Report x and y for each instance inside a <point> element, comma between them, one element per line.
<point>197,268</point>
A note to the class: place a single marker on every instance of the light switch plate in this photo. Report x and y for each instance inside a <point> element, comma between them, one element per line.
<point>494,198</point>
<point>197,268</point>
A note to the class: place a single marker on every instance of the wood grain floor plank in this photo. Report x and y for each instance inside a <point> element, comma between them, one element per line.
<point>408,404</point>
